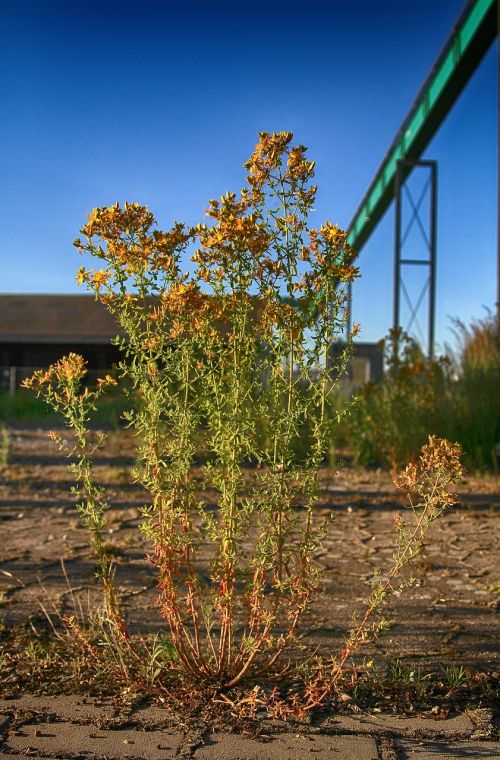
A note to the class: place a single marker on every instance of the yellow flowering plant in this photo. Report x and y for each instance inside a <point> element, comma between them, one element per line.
<point>239,344</point>
<point>243,337</point>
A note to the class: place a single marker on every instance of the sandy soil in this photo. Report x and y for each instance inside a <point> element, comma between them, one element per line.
<point>450,616</point>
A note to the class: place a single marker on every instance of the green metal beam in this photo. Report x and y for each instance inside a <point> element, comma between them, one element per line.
<point>470,39</point>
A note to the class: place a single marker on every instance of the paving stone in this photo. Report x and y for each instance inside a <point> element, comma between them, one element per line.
<point>150,717</point>
<point>4,723</point>
<point>448,751</point>
<point>457,725</point>
<point>3,756</point>
<point>287,747</point>
<point>78,708</point>
<point>112,743</point>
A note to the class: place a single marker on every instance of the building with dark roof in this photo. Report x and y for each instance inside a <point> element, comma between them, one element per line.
<point>36,330</point>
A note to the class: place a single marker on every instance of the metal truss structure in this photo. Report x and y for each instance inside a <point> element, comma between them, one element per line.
<point>471,37</point>
<point>427,238</point>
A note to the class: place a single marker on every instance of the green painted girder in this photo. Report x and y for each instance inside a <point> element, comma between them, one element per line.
<point>470,38</point>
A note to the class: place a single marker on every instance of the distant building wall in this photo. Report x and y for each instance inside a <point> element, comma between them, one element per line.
<point>36,330</point>
<point>366,364</point>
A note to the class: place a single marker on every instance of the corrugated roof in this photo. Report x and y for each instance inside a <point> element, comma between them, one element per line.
<point>54,319</point>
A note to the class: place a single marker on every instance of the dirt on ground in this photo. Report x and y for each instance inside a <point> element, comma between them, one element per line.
<point>450,615</point>
<point>76,727</point>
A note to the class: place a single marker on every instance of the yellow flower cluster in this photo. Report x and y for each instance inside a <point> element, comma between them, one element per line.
<point>69,369</point>
<point>235,233</point>
<point>183,308</point>
<point>110,222</point>
<point>183,298</point>
<point>441,454</point>
<point>130,242</point>
<point>439,458</point>
<point>95,279</point>
<point>268,156</point>
<point>61,381</point>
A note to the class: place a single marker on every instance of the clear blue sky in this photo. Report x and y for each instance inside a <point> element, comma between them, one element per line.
<point>161,103</point>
